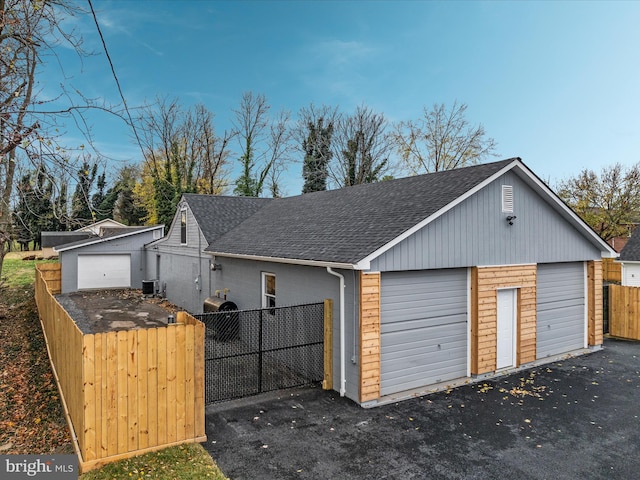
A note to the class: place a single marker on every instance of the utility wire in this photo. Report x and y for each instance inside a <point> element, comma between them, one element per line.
<point>113,71</point>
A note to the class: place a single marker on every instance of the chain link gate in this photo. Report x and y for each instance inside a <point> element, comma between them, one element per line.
<point>248,352</point>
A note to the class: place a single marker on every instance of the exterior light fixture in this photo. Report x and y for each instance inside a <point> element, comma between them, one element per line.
<point>510,219</point>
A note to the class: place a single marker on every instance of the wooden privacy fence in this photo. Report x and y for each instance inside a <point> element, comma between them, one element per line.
<point>611,271</point>
<point>624,312</point>
<point>124,392</point>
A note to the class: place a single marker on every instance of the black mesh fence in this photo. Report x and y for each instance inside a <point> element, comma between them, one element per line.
<point>253,351</point>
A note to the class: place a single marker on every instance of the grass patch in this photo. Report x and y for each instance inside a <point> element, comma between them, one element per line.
<point>185,462</point>
<point>17,273</point>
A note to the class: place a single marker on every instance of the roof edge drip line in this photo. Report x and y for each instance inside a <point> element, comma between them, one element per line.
<point>291,261</point>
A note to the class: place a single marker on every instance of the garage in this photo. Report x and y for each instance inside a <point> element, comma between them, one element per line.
<point>423,328</point>
<point>631,274</point>
<point>561,308</point>
<point>104,271</point>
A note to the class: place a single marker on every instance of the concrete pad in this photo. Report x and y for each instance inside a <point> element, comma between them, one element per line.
<point>98,311</point>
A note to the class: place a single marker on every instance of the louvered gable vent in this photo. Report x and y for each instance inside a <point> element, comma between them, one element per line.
<point>507,199</point>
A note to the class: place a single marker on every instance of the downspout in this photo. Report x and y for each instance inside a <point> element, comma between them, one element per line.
<point>343,379</point>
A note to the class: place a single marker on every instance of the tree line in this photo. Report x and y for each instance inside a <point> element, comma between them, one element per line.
<point>46,184</point>
<point>183,153</point>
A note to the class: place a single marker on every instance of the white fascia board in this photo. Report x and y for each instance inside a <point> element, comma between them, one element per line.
<point>290,261</point>
<point>365,262</point>
<point>606,250</point>
<point>107,239</point>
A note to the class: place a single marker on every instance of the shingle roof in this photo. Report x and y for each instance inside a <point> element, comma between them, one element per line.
<point>107,234</point>
<point>631,251</point>
<point>346,225</point>
<point>216,214</point>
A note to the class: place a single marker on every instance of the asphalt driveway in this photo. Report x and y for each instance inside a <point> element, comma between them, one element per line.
<point>574,419</point>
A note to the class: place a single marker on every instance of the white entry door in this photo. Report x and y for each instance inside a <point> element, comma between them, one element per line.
<point>506,345</point>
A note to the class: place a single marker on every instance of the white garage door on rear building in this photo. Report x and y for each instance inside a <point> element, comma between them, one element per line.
<point>104,271</point>
<point>423,328</point>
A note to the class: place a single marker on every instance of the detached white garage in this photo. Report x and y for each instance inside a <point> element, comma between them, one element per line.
<point>104,271</point>
<point>113,259</point>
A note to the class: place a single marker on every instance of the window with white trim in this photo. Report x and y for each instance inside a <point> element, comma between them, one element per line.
<point>268,290</point>
<point>507,199</point>
<point>183,226</point>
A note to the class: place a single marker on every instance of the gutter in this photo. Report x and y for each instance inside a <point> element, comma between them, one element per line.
<point>291,261</point>
<point>343,380</point>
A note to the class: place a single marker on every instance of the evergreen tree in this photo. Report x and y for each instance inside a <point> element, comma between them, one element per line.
<point>34,212</point>
<point>99,197</point>
<point>22,213</point>
<point>164,198</point>
<point>82,211</point>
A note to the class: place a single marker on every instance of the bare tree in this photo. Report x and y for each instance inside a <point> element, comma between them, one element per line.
<point>29,33</point>
<point>608,202</point>
<point>182,153</point>
<point>278,149</point>
<point>264,146</point>
<point>360,148</point>
<point>442,140</point>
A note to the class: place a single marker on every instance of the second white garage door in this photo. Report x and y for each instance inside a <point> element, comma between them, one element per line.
<point>423,328</point>
<point>561,308</point>
<point>104,271</point>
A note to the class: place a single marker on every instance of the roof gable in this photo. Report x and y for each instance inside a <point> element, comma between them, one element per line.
<point>95,227</point>
<point>216,214</point>
<point>353,225</point>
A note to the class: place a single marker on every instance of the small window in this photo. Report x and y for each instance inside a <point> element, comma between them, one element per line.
<point>269,291</point>
<point>183,227</point>
<point>507,199</point>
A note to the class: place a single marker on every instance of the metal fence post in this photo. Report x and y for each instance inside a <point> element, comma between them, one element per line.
<point>260,353</point>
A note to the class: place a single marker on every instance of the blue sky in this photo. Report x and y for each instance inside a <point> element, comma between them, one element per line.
<point>555,83</point>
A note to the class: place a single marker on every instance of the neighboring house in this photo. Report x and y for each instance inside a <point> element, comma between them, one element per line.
<point>630,259</point>
<point>49,240</point>
<point>97,227</point>
<point>114,259</point>
<point>618,243</point>
<point>178,262</point>
<point>435,278</point>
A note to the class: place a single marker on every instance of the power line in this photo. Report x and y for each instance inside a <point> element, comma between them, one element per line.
<point>113,71</point>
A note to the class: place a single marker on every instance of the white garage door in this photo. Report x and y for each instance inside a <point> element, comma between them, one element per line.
<point>423,328</point>
<point>104,271</point>
<point>561,308</point>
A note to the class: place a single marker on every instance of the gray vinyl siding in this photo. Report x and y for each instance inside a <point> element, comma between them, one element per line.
<point>177,277</point>
<point>194,238</point>
<point>133,244</point>
<point>295,285</point>
<point>181,265</point>
<point>423,328</point>
<point>476,232</point>
<point>560,308</point>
